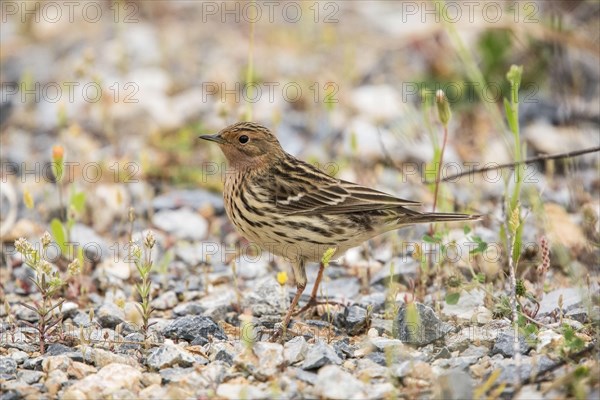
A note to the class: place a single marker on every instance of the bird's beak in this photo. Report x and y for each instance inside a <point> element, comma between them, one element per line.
<point>213,138</point>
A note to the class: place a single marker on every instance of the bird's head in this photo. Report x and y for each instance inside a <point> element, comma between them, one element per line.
<point>247,144</point>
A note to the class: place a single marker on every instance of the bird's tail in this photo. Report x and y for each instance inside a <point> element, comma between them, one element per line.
<point>439,217</point>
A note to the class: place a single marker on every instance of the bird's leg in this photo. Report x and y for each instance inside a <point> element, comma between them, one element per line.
<point>313,296</point>
<point>300,276</point>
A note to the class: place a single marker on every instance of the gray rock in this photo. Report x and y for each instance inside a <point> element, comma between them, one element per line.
<point>195,329</point>
<point>374,300</point>
<point>188,309</point>
<point>169,355</point>
<point>270,358</point>
<point>183,223</point>
<point>266,298</point>
<point>455,385</point>
<point>109,315</point>
<point>108,381</point>
<point>174,375</point>
<point>335,383</point>
<point>505,345</point>
<point>304,376</point>
<point>444,353</point>
<point>343,349</point>
<point>400,370</point>
<point>400,269</point>
<point>530,366</point>
<point>19,356</point>
<point>571,299</point>
<point>428,329</point>
<point>195,199</point>
<point>356,320</point>
<point>320,354</point>
<point>295,350</point>
<point>8,368</point>
<point>33,363</point>
<point>82,319</point>
<point>222,351</point>
<point>30,377</point>
<point>579,314</point>
<point>94,246</point>
<point>165,301</point>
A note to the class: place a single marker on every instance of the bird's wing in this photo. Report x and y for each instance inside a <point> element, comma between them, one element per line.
<point>304,190</point>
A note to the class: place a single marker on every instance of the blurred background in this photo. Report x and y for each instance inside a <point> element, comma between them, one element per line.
<point>127,87</point>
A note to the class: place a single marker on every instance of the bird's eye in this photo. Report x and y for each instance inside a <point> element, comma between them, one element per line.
<point>244,139</point>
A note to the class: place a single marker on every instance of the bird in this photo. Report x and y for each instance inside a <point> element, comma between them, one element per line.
<point>290,208</point>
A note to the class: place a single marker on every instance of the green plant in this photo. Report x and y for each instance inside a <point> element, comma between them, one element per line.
<point>143,264</point>
<point>49,283</point>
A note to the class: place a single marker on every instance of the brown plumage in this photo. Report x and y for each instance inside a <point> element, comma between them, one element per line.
<point>292,209</point>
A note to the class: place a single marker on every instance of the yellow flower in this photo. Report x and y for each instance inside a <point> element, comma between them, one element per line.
<point>282,278</point>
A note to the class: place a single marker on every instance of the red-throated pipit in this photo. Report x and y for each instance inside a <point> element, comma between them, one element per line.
<point>292,209</point>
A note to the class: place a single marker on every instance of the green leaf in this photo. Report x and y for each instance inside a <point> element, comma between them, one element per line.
<point>60,235</point>
<point>452,298</point>
<point>429,239</point>
<point>467,229</point>
<point>78,201</point>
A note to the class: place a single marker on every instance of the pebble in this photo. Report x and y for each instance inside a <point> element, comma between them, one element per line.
<point>109,315</point>
<point>169,355</point>
<point>270,358</point>
<point>335,383</point>
<point>195,329</point>
<point>505,345</point>
<point>195,199</point>
<point>165,301</point>
<point>106,383</point>
<point>320,354</point>
<point>8,368</point>
<point>400,269</point>
<point>267,298</point>
<point>429,329</point>
<point>469,307</point>
<point>571,300</point>
<point>356,320</point>
<point>182,223</point>
<point>294,350</point>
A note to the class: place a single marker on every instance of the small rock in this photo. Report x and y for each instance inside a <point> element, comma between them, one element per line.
<point>19,356</point>
<point>195,199</point>
<point>109,380</point>
<point>343,349</point>
<point>195,329</point>
<point>295,350</point>
<point>356,320</point>
<point>335,383</point>
<point>469,307</point>
<point>8,368</point>
<point>109,315</point>
<point>320,354</point>
<point>79,370</point>
<point>94,246</point>
<point>30,377</point>
<point>165,301</point>
<point>52,363</point>
<point>236,391</point>
<point>428,330</point>
<point>383,344</point>
<point>270,357</point>
<point>266,299</point>
<point>443,353</point>
<point>222,351</point>
<point>188,309</point>
<point>101,358</point>
<point>169,355</point>
<point>183,223</point>
<point>505,345</point>
<point>400,269</point>
<point>55,381</point>
<point>115,269</point>
<point>455,385</point>
<point>571,300</point>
